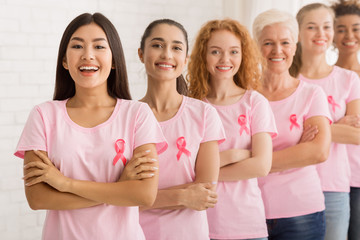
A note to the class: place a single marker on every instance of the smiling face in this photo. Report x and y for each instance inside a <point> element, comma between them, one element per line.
<point>164,53</point>
<point>88,57</point>
<point>316,31</point>
<point>347,34</point>
<point>277,47</point>
<point>223,55</point>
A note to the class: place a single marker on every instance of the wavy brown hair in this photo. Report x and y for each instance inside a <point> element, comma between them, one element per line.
<point>249,74</point>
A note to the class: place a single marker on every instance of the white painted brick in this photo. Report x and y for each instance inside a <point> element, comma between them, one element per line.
<point>9,26</point>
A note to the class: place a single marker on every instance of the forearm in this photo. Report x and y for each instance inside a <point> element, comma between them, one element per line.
<point>168,199</point>
<point>250,168</point>
<point>345,134</point>
<point>233,156</point>
<point>43,196</point>
<point>300,155</point>
<point>124,193</point>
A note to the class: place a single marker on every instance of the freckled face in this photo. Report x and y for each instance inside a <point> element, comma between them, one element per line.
<point>223,56</point>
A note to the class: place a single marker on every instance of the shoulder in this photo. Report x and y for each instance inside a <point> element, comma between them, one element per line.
<point>49,107</point>
<point>195,105</point>
<point>133,106</point>
<point>255,96</point>
<point>347,74</point>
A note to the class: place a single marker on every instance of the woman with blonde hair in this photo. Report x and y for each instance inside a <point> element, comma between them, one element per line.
<point>292,194</point>
<point>224,71</point>
<point>342,89</point>
<point>347,42</point>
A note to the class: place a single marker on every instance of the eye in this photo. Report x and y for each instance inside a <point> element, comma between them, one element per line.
<point>267,43</point>
<point>76,46</point>
<point>234,52</point>
<point>215,52</point>
<point>177,48</point>
<point>340,31</point>
<point>99,47</point>
<point>356,29</point>
<point>310,27</point>
<point>156,45</point>
<point>285,42</point>
<point>327,27</point>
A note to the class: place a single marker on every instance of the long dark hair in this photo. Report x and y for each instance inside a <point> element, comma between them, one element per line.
<point>181,85</point>
<point>117,82</point>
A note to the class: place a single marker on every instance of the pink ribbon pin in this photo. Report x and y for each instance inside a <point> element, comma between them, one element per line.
<point>242,122</point>
<point>181,144</point>
<point>293,120</point>
<point>333,103</point>
<point>119,148</point>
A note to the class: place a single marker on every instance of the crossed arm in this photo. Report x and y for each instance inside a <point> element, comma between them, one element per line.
<point>199,194</point>
<point>347,129</point>
<point>47,188</point>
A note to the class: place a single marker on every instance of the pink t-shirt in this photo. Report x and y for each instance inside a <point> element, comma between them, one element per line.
<point>239,212</point>
<point>341,86</point>
<point>88,154</point>
<point>194,123</point>
<point>297,191</point>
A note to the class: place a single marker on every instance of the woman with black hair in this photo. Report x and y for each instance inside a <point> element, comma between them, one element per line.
<point>76,147</point>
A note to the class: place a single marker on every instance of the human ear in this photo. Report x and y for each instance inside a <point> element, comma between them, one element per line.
<point>141,55</point>
<point>64,63</point>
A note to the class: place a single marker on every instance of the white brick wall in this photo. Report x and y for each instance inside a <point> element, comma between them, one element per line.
<point>30,32</point>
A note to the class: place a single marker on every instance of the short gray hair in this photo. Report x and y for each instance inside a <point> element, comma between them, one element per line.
<point>273,16</point>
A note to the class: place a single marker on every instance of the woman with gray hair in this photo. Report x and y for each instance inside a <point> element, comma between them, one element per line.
<point>292,195</point>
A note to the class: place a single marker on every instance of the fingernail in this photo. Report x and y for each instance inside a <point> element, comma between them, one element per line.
<point>155,168</point>
<point>147,151</point>
<point>154,159</point>
<point>151,174</point>
<point>214,182</point>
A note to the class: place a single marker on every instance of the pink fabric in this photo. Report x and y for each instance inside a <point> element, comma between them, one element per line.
<point>294,192</point>
<point>239,212</point>
<point>195,122</point>
<point>341,87</point>
<point>88,154</point>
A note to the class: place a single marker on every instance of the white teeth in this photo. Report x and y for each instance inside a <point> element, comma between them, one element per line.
<point>89,68</point>
<point>349,44</point>
<point>276,59</point>
<point>165,65</point>
<point>224,68</point>
<point>320,42</point>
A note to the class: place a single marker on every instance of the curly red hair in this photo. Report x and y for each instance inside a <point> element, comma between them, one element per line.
<point>249,74</point>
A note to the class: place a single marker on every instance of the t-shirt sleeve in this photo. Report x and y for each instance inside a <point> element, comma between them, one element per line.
<point>214,129</point>
<point>318,105</point>
<point>147,130</point>
<point>262,117</point>
<point>354,88</point>
<point>33,136</point>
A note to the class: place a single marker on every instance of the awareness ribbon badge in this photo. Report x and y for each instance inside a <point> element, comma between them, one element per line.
<point>242,122</point>
<point>181,145</point>
<point>119,148</point>
<point>333,103</point>
<point>293,120</point>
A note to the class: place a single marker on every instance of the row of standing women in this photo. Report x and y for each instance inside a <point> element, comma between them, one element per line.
<point>286,125</point>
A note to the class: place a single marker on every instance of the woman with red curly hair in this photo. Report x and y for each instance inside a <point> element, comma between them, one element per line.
<point>347,41</point>
<point>224,70</point>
